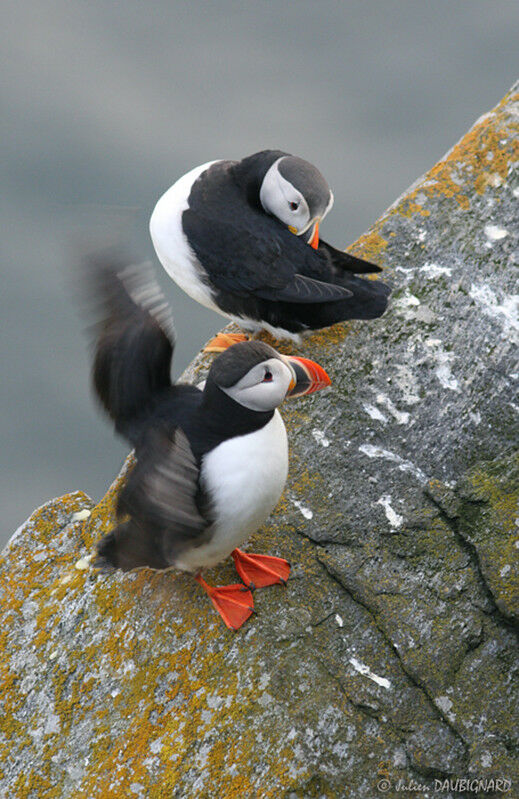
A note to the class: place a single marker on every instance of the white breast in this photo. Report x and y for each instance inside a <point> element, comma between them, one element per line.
<point>245,477</point>
<point>170,241</point>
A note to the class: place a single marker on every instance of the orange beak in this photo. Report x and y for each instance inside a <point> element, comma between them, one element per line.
<point>310,377</point>
<point>314,241</point>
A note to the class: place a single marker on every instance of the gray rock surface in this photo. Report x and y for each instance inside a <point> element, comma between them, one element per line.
<point>391,656</point>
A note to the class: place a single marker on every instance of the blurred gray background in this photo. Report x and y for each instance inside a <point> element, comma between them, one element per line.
<point>105,104</point>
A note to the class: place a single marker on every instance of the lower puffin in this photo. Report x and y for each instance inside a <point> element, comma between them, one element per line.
<point>211,462</point>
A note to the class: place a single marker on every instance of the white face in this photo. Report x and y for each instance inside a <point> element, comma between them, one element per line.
<point>281,199</point>
<point>264,387</point>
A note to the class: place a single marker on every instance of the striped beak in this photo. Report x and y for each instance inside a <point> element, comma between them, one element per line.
<point>313,237</point>
<point>308,376</point>
<point>313,241</point>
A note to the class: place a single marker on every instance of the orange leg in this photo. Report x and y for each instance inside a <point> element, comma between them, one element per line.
<point>234,603</point>
<point>257,571</point>
<point>223,341</point>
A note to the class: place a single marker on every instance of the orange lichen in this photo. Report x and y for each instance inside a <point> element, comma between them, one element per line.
<point>116,760</point>
<point>370,245</point>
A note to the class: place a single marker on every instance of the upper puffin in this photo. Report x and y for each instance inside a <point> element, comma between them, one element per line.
<point>242,238</point>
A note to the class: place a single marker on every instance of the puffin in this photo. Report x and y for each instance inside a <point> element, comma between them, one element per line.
<point>211,460</point>
<point>242,238</point>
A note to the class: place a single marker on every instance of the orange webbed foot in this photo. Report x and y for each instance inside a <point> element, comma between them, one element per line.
<point>234,603</point>
<point>258,571</point>
<point>223,341</point>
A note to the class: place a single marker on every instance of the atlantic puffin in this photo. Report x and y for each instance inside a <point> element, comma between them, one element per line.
<point>242,238</point>
<point>211,462</point>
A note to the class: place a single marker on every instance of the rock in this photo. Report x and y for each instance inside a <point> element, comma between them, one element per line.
<point>392,654</point>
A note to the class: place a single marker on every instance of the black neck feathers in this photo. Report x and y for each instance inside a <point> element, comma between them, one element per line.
<point>222,417</point>
<point>249,172</point>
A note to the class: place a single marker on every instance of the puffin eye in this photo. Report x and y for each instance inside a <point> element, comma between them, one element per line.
<point>294,206</point>
<point>268,376</point>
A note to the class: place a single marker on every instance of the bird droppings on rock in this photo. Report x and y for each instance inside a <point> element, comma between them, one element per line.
<point>404,465</point>
<point>83,563</point>
<point>306,512</point>
<point>394,518</point>
<point>320,437</point>
<point>401,417</point>
<point>435,270</point>
<point>495,232</point>
<point>407,305</point>
<point>443,702</point>
<point>444,360</point>
<point>81,515</point>
<point>408,272</point>
<point>507,311</point>
<point>366,672</point>
<point>374,413</point>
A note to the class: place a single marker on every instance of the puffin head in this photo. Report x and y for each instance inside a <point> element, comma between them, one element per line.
<point>257,377</point>
<point>295,192</point>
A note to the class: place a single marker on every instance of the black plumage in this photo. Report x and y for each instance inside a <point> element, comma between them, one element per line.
<point>257,269</point>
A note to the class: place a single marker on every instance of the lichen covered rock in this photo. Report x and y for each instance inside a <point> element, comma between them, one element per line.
<point>392,653</point>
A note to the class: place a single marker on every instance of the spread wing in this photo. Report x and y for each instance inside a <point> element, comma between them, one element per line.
<point>134,337</point>
<point>258,256</point>
<point>163,500</point>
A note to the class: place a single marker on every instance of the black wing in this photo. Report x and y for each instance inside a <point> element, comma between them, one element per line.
<point>344,262</point>
<point>134,338</point>
<point>304,290</point>
<point>256,255</point>
<point>162,498</point>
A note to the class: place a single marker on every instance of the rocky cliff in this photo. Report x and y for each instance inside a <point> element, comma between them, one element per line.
<point>391,656</point>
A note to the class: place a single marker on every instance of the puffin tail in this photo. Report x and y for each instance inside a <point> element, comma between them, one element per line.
<point>368,301</point>
<point>133,337</point>
<point>370,298</point>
